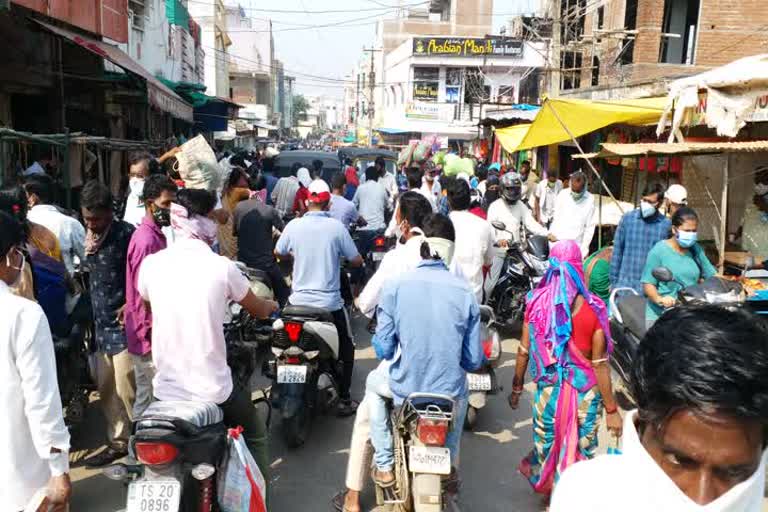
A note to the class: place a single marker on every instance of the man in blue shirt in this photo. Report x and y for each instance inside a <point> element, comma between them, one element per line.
<point>638,232</point>
<point>429,327</point>
<point>318,244</point>
<point>341,208</point>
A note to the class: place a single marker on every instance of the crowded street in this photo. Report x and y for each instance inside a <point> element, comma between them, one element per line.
<point>449,256</point>
<point>307,478</point>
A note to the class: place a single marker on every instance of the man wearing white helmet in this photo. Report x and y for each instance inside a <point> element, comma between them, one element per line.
<point>516,215</point>
<point>676,197</point>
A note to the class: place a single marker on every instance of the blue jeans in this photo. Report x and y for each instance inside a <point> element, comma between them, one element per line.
<point>377,392</point>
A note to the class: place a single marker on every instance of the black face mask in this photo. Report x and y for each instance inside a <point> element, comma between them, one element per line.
<point>491,196</point>
<point>161,216</point>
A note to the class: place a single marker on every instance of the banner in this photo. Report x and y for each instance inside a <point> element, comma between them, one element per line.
<point>425,91</point>
<point>417,110</point>
<point>467,47</point>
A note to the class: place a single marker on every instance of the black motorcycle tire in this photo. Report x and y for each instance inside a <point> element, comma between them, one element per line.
<point>296,428</point>
<point>510,306</point>
<point>470,420</point>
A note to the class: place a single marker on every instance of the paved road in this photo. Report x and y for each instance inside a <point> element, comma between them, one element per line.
<point>305,479</point>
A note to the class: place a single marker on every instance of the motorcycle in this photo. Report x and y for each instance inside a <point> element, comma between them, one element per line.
<point>306,369</point>
<point>239,324</point>
<point>484,382</point>
<point>627,316</point>
<point>524,266</point>
<point>422,462</point>
<point>179,448</point>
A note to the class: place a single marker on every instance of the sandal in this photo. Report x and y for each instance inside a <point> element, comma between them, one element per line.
<point>338,502</point>
<point>381,483</point>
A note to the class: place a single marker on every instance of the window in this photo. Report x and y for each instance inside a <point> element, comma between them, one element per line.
<point>600,16</point>
<point>679,38</point>
<point>426,84</point>
<point>475,90</point>
<point>595,71</point>
<point>506,94</point>
<point>570,65</point>
<point>630,23</point>
<point>137,12</point>
<point>453,78</point>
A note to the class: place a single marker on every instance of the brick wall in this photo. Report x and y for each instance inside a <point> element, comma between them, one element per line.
<point>731,29</point>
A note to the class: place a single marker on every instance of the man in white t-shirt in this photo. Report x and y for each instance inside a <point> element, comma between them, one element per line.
<point>189,287</point>
<point>546,194</point>
<point>574,217</point>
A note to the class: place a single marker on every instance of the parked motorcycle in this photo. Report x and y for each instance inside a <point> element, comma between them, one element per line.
<point>179,448</point>
<point>484,382</point>
<point>627,316</point>
<point>239,324</point>
<point>306,369</point>
<point>524,266</point>
<point>422,462</point>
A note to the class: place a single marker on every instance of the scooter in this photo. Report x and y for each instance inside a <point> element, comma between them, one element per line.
<point>524,267</point>
<point>239,323</point>
<point>179,448</point>
<point>422,462</point>
<point>484,382</point>
<point>306,369</point>
<point>627,316</point>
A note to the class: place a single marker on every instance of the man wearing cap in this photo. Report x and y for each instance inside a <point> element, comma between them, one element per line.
<point>318,243</point>
<point>677,197</point>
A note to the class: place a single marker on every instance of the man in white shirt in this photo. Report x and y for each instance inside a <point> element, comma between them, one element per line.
<point>546,194</point>
<point>474,246</point>
<point>431,185</point>
<point>34,442</point>
<point>188,287</point>
<point>697,441</point>
<point>574,217</point>
<point>387,180</point>
<point>516,215</point>
<point>70,233</point>
<point>285,192</point>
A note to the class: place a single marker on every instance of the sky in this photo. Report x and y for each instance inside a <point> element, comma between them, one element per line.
<point>331,51</point>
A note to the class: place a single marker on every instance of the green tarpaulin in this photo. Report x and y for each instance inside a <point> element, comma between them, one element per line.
<point>176,13</point>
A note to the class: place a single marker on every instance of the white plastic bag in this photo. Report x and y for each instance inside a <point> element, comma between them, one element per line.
<point>198,166</point>
<point>241,485</point>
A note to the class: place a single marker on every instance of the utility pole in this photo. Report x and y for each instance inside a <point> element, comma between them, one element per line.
<point>357,104</point>
<point>554,72</point>
<point>371,91</point>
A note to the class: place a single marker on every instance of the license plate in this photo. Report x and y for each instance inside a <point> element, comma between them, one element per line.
<point>154,496</point>
<point>479,381</point>
<point>287,374</point>
<point>430,459</point>
<point>378,256</point>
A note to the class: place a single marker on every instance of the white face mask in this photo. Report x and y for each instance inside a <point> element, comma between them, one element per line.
<point>137,186</point>
<point>20,268</point>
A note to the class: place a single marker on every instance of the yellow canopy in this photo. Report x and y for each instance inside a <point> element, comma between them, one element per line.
<point>581,117</point>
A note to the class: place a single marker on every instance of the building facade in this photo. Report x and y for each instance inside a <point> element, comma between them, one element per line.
<point>215,41</point>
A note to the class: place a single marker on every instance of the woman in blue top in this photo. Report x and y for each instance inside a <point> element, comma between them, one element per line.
<point>680,254</point>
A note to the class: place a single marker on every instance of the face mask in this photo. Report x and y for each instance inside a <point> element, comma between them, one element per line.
<point>647,209</point>
<point>161,216</point>
<point>551,184</point>
<point>20,268</point>
<point>761,189</point>
<point>577,196</point>
<point>686,239</point>
<point>137,186</point>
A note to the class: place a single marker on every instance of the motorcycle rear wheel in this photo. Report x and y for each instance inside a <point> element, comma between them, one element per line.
<point>296,428</point>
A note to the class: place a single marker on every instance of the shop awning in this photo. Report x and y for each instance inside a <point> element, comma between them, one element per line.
<point>582,117</point>
<point>511,136</point>
<point>610,150</point>
<point>159,95</point>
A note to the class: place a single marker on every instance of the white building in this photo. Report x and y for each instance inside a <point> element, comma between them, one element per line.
<point>439,85</point>
<point>165,41</point>
<point>251,64</point>
<point>214,38</point>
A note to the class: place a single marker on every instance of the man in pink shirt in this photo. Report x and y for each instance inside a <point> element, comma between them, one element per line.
<point>159,192</point>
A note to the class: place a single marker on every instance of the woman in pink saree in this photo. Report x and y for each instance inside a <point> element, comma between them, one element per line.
<point>567,336</point>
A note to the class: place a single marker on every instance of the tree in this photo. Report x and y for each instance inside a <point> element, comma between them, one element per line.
<point>299,108</point>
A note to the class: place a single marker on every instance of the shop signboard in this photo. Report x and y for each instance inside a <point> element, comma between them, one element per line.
<point>467,47</point>
<point>425,91</point>
<point>758,115</point>
<point>421,110</point>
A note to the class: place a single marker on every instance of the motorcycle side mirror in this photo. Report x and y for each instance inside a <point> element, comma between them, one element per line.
<point>663,274</point>
<point>497,224</point>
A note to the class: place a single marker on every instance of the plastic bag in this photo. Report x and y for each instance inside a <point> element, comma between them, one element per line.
<point>455,165</point>
<point>241,486</point>
<point>422,152</point>
<point>198,166</point>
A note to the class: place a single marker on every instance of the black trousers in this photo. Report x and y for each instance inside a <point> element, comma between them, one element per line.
<point>346,351</point>
<point>279,286</point>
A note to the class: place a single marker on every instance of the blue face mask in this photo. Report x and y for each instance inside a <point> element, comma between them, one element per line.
<point>687,239</point>
<point>577,196</point>
<point>647,209</point>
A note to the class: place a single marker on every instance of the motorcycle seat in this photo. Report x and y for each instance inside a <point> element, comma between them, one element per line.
<point>199,414</point>
<point>319,314</point>
<point>632,309</point>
